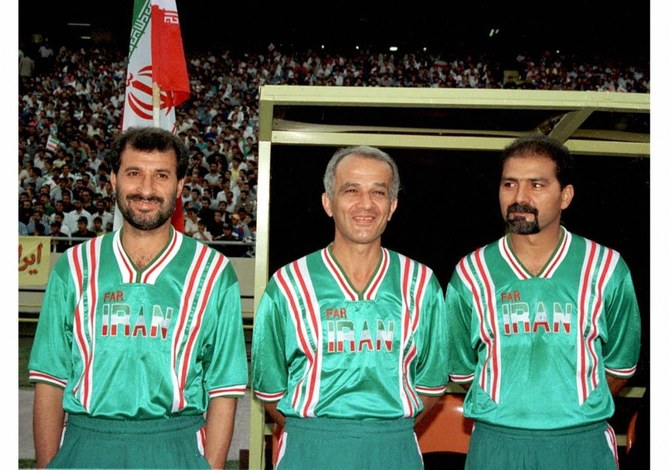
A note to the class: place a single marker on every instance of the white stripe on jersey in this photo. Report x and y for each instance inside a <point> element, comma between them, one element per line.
<point>295,284</point>
<point>479,282</point>
<point>348,291</point>
<point>84,261</point>
<point>205,269</point>
<point>597,269</point>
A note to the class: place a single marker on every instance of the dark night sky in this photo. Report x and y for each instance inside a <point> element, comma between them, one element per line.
<point>582,26</point>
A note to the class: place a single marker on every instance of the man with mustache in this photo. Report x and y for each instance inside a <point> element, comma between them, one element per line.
<point>544,324</point>
<point>139,351</point>
<point>349,344</point>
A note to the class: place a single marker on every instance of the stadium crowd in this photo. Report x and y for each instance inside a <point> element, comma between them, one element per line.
<point>71,103</point>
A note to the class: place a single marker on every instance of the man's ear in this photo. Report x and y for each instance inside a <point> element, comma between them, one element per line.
<point>325,201</point>
<point>567,193</point>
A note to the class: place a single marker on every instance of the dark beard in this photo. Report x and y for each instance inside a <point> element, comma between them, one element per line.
<point>140,223</point>
<point>520,225</point>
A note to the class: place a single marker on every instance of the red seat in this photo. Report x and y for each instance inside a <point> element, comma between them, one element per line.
<point>444,429</point>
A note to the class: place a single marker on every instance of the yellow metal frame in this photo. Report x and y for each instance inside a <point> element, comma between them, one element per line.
<point>569,110</point>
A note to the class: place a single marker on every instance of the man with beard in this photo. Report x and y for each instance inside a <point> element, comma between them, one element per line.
<point>544,325</point>
<point>140,338</point>
<point>349,346</point>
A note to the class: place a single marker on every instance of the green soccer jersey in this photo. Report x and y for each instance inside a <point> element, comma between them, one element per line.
<point>129,343</point>
<point>536,348</point>
<point>323,349</point>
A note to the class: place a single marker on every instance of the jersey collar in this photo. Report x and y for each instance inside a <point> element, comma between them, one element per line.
<point>551,265</point>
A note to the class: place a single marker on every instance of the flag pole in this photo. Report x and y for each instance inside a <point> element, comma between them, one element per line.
<point>156,100</point>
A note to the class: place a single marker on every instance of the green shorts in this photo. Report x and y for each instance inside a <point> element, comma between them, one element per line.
<point>340,444</point>
<point>155,443</point>
<point>590,447</point>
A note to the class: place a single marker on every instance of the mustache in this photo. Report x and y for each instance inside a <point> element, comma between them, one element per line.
<point>137,197</point>
<point>521,208</point>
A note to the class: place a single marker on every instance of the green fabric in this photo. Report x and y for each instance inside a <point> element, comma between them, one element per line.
<point>338,444</point>
<point>157,443</point>
<point>583,448</point>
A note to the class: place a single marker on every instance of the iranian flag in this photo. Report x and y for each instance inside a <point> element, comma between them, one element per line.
<point>157,79</point>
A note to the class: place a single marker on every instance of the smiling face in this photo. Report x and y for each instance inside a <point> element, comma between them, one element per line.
<point>147,187</point>
<point>531,198</point>
<point>361,205</point>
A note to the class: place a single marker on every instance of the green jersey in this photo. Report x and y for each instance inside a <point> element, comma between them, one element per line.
<point>323,349</point>
<point>129,343</point>
<point>537,347</point>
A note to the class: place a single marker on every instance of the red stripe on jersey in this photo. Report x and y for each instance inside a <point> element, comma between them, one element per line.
<point>195,329</point>
<point>595,315</point>
<point>560,254</point>
<point>458,378</point>
<point>233,390</point>
<point>159,262</point>
<point>300,334</point>
<point>187,302</point>
<point>490,301</point>
<point>610,436</point>
<point>379,276</point>
<point>413,398</point>
<point>313,315</point>
<point>406,314</point>
<point>80,336</point>
<point>626,372</point>
<point>511,260</point>
<point>93,266</point>
<point>420,291</point>
<point>125,260</point>
<point>269,396</point>
<point>582,378</point>
<point>431,390</point>
<point>350,293</point>
<point>41,376</point>
<point>478,302</point>
<point>412,300</point>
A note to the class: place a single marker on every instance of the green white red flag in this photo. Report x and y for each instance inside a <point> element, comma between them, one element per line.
<point>156,58</point>
<point>157,78</point>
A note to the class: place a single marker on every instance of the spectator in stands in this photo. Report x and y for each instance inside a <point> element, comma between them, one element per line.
<point>36,225</point>
<point>216,225</point>
<point>225,215</point>
<point>202,233</point>
<point>58,246</point>
<point>46,204</point>
<point>206,212</point>
<point>185,195</point>
<point>98,227</point>
<point>240,228</point>
<point>191,221</point>
<point>228,234</point>
<point>243,202</point>
<point>82,228</point>
<point>66,199</point>
<point>101,211</point>
<point>73,218</point>
<point>195,199</point>
<point>25,210</point>
<point>59,216</point>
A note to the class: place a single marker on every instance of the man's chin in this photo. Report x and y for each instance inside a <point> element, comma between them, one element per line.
<point>523,227</point>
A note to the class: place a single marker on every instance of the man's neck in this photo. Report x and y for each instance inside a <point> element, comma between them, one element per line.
<point>142,246</point>
<point>358,261</point>
<point>534,250</point>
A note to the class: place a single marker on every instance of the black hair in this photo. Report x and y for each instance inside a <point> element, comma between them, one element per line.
<point>149,139</point>
<point>546,146</point>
